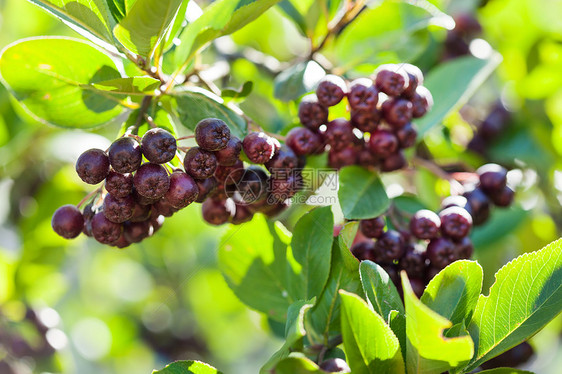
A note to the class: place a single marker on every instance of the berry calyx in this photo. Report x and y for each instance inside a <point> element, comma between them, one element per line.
<point>119,185</point>
<point>258,147</point>
<point>151,181</point>
<point>212,134</point>
<point>92,166</point>
<point>397,112</point>
<point>125,155</point>
<point>303,141</point>
<point>68,221</point>
<point>118,210</point>
<point>363,95</point>
<point>200,164</point>
<point>331,90</point>
<point>158,146</point>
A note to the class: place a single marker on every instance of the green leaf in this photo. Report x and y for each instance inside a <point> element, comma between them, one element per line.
<point>140,86</point>
<point>346,238</point>
<point>361,193</point>
<point>197,104</point>
<point>384,298</point>
<point>93,17</point>
<point>117,8</point>
<point>176,26</point>
<point>312,246</point>
<point>241,93</point>
<point>370,345</point>
<point>293,14</point>
<point>526,295</point>
<point>220,18</point>
<point>145,25</point>
<point>428,351</point>
<point>453,293</point>
<point>52,78</point>
<point>297,363</point>
<point>504,371</point>
<point>246,260</point>
<point>451,84</point>
<point>297,80</point>
<point>187,367</point>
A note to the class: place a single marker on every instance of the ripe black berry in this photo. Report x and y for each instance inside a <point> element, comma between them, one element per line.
<point>363,95</point>
<point>229,174</point>
<point>258,147</point>
<point>415,79</point>
<point>243,214</point>
<point>364,250</point>
<point>303,141</point>
<point>449,201</point>
<point>389,247</point>
<point>200,164</point>
<point>493,178</point>
<point>479,205</point>
<point>183,190</point>
<point>105,231</point>
<point>216,211</point>
<point>284,159</point>
<point>503,198</point>
<point>383,143</point>
<point>366,120</point>
<point>456,222</point>
<point>397,112</point>
<point>151,181</point>
<point>335,365</point>
<point>88,214</point>
<point>441,252</point>
<point>119,185</point>
<point>163,208</point>
<point>366,158</point>
<point>283,187</point>
<point>206,187</point>
<point>118,210</point>
<point>253,185</point>
<point>92,166</point>
<point>337,159</point>
<point>407,135</point>
<point>372,228</point>
<point>339,134</point>
<point>395,161</point>
<point>425,224</point>
<point>231,153</point>
<point>312,114</point>
<point>212,134</point>
<point>140,212</point>
<point>464,248</point>
<point>413,261</point>
<point>331,90</point>
<point>422,101</point>
<point>67,221</point>
<point>390,80</point>
<point>158,146</point>
<point>125,155</point>
<point>122,242</point>
<point>135,232</point>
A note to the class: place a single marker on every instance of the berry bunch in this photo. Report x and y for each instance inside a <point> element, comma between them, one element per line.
<point>433,240</point>
<point>490,129</point>
<point>381,109</point>
<point>458,39</point>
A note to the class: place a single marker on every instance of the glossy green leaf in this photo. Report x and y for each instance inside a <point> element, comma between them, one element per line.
<point>176,26</point>
<point>453,293</point>
<point>197,104</point>
<point>361,193</point>
<point>384,298</point>
<point>297,80</point>
<point>245,259</point>
<point>451,84</point>
<point>370,345</point>
<point>187,367</point>
<point>504,371</point>
<point>294,15</point>
<point>52,79</point>
<point>238,94</point>
<point>91,16</point>
<point>312,247</point>
<point>297,364</point>
<point>526,295</point>
<point>428,351</point>
<point>145,24</point>
<point>346,238</point>
<point>140,86</point>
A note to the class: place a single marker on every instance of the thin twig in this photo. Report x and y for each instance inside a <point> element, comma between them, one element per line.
<point>89,196</point>
<point>186,137</point>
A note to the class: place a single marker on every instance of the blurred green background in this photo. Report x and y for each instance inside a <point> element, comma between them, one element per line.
<point>80,307</point>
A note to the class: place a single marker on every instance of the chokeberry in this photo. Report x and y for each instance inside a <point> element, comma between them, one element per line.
<point>158,146</point>
<point>183,190</point>
<point>338,158</point>
<point>441,252</point>
<point>140,199</point>
<point>231,153</point>
<point>397,112</point>
<point>415,79</point>
<point>503,198</point>
<point>464,248</point>
<point>331,90</point>
<point>389,247</point>
<point>339,134</point>
<point>125,155</point>
<point>383,143</point>
<point>312,114</point>
<point>413,262</point>
<point>283,187</point>
<point>258,147</point>
<point>392,271</point>
<point>364,250</point>
<point>407,135</point>
<point>395,161</point>
<point>68,221</point>
<point>242,214</point>
<point>206,187</point>
<point>105,231</point>
<point>283,160</point>
<point>450,201</point>
<point>119,185</point>
<point>479,205</point>
<point>230,174</point>
<point>163,208</point>
<point>151,181</point>
<point>425,224</point>
<point>366,120</point>
<point>140,212</point>
<point>363,95</point>
<point>422,101</point>
<point>366,158</point>
<point>212,134</point>
<point>200,164</point>
<point>493,178</point>
<point>373,227</point>
<point>456,222</point>
<point>253,185</point>
<point>303,141</point>
<point>135,232</point>
<point>118,210</point>
<point>122,242</point>
<point>391,80</point>
<point>92,166</point>
<point>88,213</point>
<point>335,365</point>
<point>217,211</point>
<point>466,24</point>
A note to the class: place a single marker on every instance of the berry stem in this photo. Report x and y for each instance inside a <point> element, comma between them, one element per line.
<point>184,149</point>
<point>89,196</point>
<point>432,167</point>
<point>186,137</point>
<point>332,343</point>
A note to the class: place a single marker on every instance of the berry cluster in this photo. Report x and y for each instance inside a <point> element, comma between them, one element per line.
<point>490,128</point>
<point>433,240</point>
<point>381,109</point>
<point>458,39</point>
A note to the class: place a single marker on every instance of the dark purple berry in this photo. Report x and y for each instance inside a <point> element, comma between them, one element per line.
<point>122,242</point>
<point>119,185</point>
<point>397,112</point>
<point>366,120</point>
<point>363,95</point>
<point>331,90</point>
<point>242,215</point>
<point>338,159</point>
<point>479,205</point>
<point>88,213</point>
<point>441,252</point>
<point>456,222</point>
<point>450,201</point>
<point>477,144</point>
<point>158,146</point>
<point>304,142</point>
<point>464,248</point>
<point>151,181</point>
<point>407,135</point>
<point>92,166</point>
<point>312,114</point>
<point>372,228</point>
<point>142,200</point>
<point>366,158</point>
<point>339,134</point>
<point>503,198</point>
<point>415,79</point>
<point>395,161</point>
<point>118,210</point>
<point>389,247</point>
<point>68,221</point>
<point>413,262</point>
<point>466,24</point>
<point>229,174</point>
<point>105,231</point>
<point>284,159</point>
<point>425,224</point>
<point>217,212</point>
<point>422,101</point>
<point>163,208</point>
<point>258,147</point>
<point>253,185</point>
<point>391,80</point>
<point>230,154</point>
<point>283,187</point>
<point>140,212</point>
<point>364,250</point>
<point>125,155</point>
<point>206,187</point>
<point>212,134</point>
<point>335,365</point>
<point>200,164</point>
<point>135,232</point>
<point>493,178</point>
<point>383,143</point>
<point>183,190</point>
